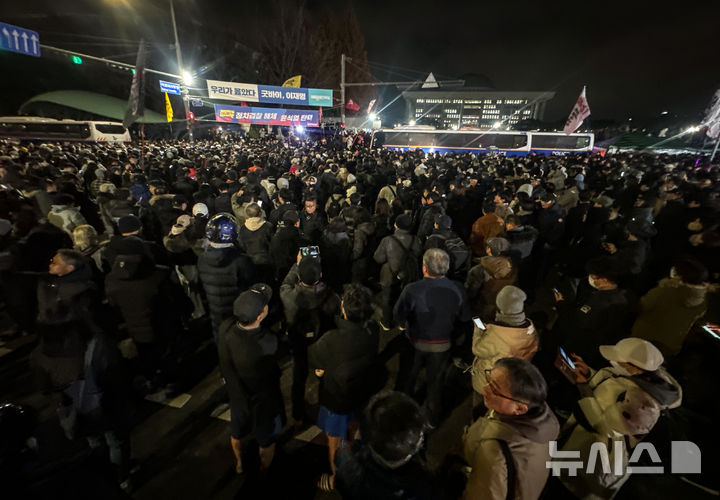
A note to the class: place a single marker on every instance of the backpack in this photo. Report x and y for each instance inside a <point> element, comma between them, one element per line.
<point>334,208</point>
<point>457,250</point>
<point>409,272</point>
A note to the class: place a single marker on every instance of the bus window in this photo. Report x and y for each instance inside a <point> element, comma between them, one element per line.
<point>107,128</point>
<point>560,142</point>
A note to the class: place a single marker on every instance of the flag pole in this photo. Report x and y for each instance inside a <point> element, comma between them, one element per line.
<point>712,156</point>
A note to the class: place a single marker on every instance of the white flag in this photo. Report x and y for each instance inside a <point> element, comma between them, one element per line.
<point>712,117</point>
<point>580,111</point>
<point>372,103</point>
<point>430,82</point>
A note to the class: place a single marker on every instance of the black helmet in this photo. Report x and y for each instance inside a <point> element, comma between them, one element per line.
<point>222,228</point>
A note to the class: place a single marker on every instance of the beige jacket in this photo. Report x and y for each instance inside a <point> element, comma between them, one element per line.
<point>527,437</point>
<point>497,342</point>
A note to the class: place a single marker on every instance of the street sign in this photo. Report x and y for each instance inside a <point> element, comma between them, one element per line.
<point>169,87</point>
<point>19,40</point>
<point>196,104</point>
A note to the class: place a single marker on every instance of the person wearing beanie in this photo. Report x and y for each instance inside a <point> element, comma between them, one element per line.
<point>620,403</point>
<point>509,335</point>
<point>390,255</point>
<point>493,272</point>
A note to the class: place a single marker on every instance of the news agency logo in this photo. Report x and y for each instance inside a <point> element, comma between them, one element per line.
<point>685,459</point>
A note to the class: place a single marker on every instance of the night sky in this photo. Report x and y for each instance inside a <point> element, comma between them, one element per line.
<point>637,58</point>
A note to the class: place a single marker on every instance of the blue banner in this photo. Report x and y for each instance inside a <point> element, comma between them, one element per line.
<point>265,116</point>
<point>169,87</point>
<point>249,92</point>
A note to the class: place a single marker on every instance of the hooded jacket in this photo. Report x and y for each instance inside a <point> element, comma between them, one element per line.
<point>668,311</point>
<point>501,341</point>
<point>615,407</point>
<point>522,239</point>
<point>527,437</point>
<point>65,217</point>
<point>255,237</point>
<point>485,280</point>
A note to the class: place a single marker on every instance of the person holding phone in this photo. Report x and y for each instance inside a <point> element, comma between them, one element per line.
<point>511,334</point>
<point>621,402</point>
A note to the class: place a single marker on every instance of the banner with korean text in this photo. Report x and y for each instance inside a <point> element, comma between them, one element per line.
<point>266,116</point>
<point>270,94</point>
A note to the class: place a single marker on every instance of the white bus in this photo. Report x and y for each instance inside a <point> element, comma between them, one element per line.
<point>35,128</point>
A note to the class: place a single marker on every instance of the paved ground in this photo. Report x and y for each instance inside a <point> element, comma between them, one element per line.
<point>181,447</point>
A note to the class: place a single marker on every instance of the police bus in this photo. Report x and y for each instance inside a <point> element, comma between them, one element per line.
<point>507,143</point>
<point>35,128</point>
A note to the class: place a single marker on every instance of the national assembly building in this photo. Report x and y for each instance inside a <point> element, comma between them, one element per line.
<point>474,104</point>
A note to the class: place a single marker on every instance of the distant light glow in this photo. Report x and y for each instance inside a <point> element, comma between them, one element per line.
<point>692,129</point>
<point>299,129</point>
<point>187,78</point>
<point>497,125</point>
<point>664,113</point>
<point>77,60</point>
<point>412,123</point>
<point>372,116</point>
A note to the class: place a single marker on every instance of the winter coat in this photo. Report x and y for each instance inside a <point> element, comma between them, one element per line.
<point>427,221</point>
<point>64,322</point>
<point>614,407</point>
<point>431,309</point>
<point>276,215</point>
<point>522,239</point>
<point>487,226</point>
<point>249,366</point>
<point>65,217</point>
<point>284,247</point>
<point>255,237</point>
<point>501,341</point>
<point>668,311</point>
<point>136,290</point>
<point>348,356</point>
<point>485,280</point>
<point>602,318</point>
<point>312,225</point>
<point>307,308</point>
<point>224,273</point>
<point>551,224</point>
<point>391,256</point>
<point>388,193</point>
<point>568,198</point>
<point>527,437</point>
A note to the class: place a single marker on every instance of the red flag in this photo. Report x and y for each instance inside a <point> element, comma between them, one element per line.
<point>351,105</point>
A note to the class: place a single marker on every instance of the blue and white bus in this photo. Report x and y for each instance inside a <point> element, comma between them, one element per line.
<point>507,143</point>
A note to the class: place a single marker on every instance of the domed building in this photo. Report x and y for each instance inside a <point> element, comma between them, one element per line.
<point>471,101</point>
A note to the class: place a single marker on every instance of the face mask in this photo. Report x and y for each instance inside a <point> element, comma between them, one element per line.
<point>592,282</point>
<point>619,369</point>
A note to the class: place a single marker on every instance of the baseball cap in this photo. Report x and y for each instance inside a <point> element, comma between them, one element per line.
<point>250,303</point>
<point>443,221</point>
<point>636,351</point>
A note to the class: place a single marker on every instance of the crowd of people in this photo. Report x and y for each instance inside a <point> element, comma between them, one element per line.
<point>558,290</point>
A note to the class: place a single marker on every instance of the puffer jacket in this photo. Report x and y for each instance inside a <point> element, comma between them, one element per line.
<point>617,408</point>
<point>390,255</point>
<point>485,280</point>
<point>501,341</point>
<point>315,304</point>
<point>224,273</point>
<point>668,311</point>
<point>527,437</point>
<point>65,217</point>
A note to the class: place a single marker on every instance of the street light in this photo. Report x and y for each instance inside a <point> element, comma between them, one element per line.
<point>412,123</point>
<point>373,116</point>
<point>187,78</point>
<point>497,125</point>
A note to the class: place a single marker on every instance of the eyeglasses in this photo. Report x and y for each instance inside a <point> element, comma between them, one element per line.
<point>495,392</point>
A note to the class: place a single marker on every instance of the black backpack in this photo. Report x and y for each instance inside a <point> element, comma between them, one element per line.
<point>457,250</point>
<point>334,208</point>
<point>409,272</point>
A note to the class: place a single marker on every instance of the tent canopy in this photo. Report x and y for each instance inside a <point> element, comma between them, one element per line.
<point>90,102</point>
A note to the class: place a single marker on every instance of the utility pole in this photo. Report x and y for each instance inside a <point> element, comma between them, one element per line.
<point>181,70</point>
<point>342,88</point>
